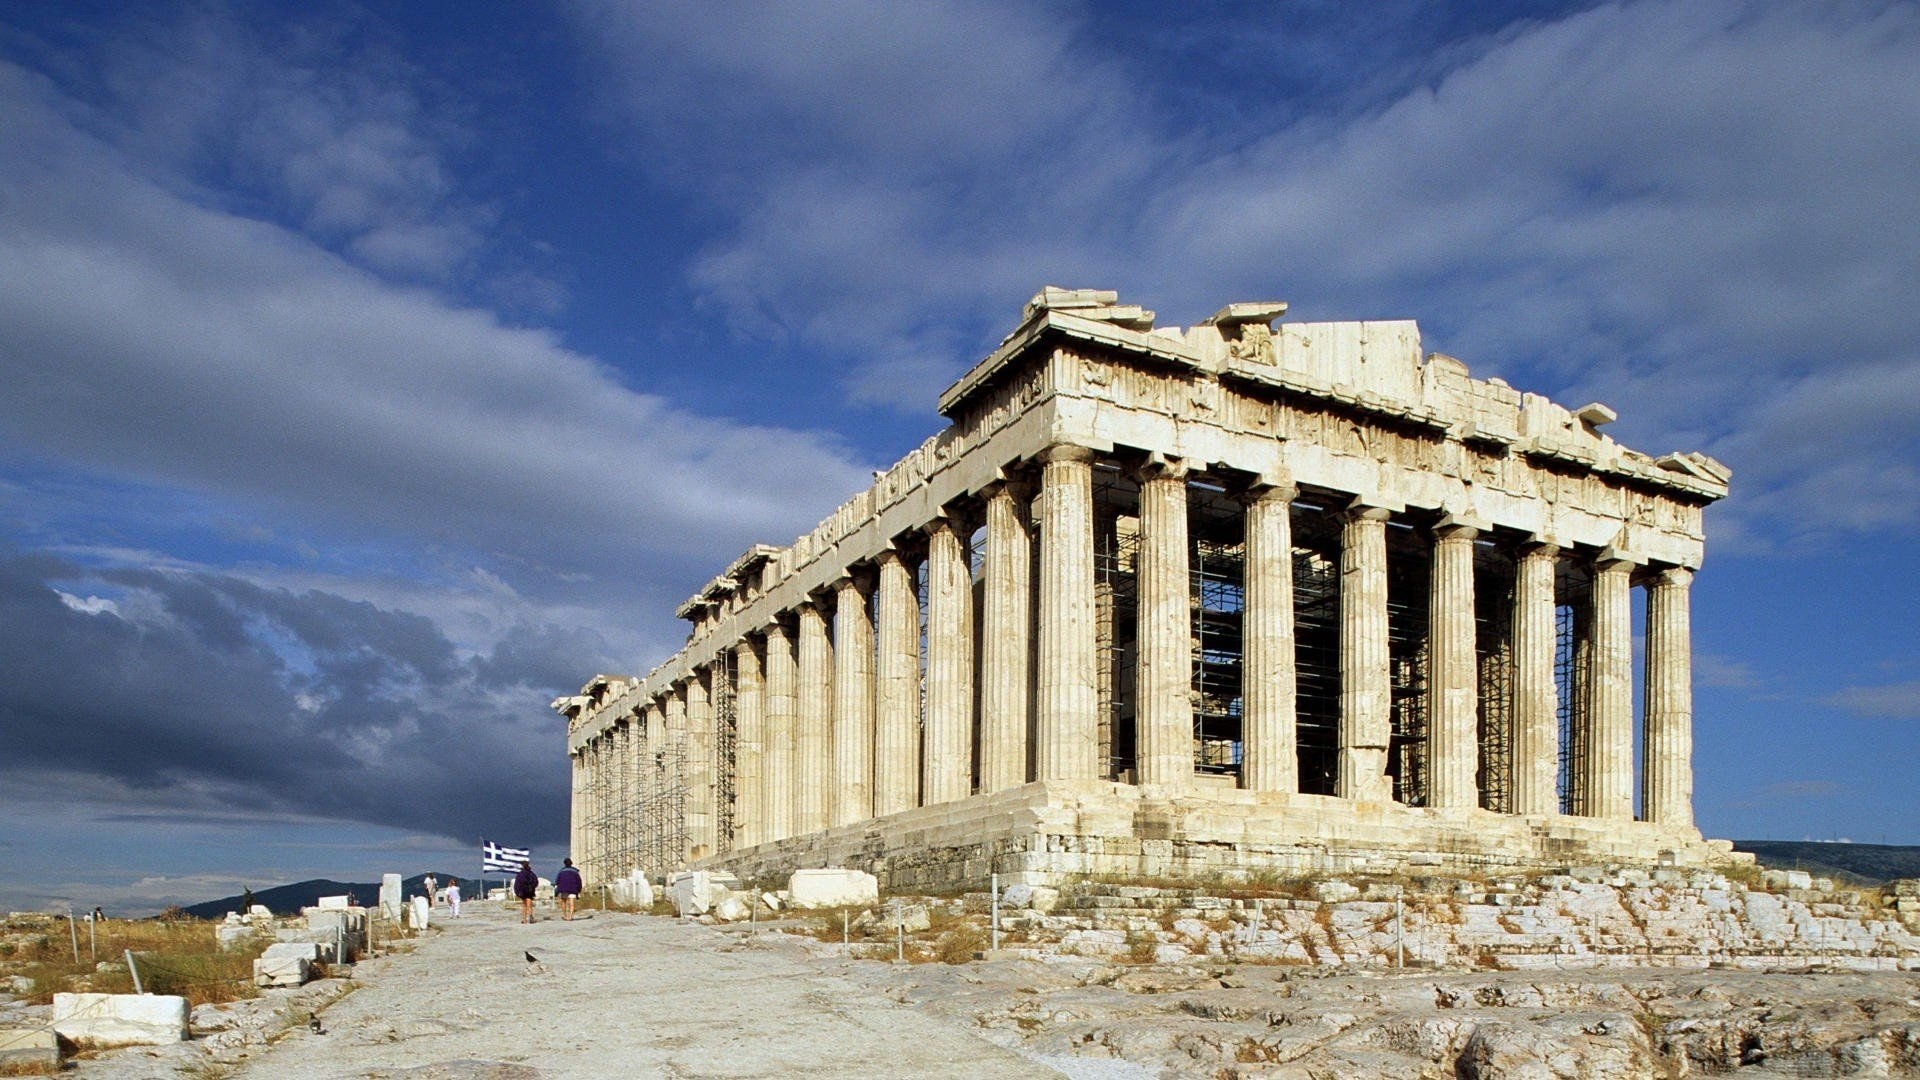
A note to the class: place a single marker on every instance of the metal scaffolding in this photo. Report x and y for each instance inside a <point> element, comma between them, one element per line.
<point>1116,605</point>
<point>726,732</point>
<point>1493,642</point>
<point>1216,567</point>
<point>1409,568</point>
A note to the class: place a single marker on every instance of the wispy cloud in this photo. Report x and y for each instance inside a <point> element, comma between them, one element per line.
<point>1890,701</point>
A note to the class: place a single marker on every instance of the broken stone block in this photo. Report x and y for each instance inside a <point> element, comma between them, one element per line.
<point>390,897</point>
<point>1334,892</point>
<point>832,887</point>
<point>332,903</point>
<point>28,1048</point>
<point>731,909</point>
<point>632,891</point>
<point>234,935</point>
<point>99,1020</point>
<point>691,892</point>
<point>286,963</point>
<point>418,913</point>
<point>259,911</point>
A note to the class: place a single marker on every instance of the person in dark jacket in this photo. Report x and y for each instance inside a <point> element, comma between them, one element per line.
<point>525,884</point>
<point>566,886</point>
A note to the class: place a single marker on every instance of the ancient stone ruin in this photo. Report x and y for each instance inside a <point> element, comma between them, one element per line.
<point>1247,596</point>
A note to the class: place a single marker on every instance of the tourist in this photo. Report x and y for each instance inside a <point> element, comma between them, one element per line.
<point>525,884</point>
<point>428,882</point>
<point>566,885</point>
<point>453,897</point>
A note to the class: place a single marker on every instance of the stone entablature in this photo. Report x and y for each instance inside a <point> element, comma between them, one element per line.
<point>1348,419</point>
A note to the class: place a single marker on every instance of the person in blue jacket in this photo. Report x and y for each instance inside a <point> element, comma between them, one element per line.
<point>525,884</point>
<point>566,886</point>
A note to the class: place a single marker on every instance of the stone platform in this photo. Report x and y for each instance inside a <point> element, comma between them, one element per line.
<point>1044,833</point>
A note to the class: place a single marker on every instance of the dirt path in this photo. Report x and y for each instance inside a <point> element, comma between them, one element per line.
<point>619,995</point>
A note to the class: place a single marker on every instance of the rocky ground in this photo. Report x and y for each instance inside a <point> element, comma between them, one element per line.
<point>647,995</point>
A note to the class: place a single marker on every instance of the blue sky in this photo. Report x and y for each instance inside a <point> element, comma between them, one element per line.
<point>373,374</point>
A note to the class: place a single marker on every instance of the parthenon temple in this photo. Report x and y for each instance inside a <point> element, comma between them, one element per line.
<point>1244,596</point>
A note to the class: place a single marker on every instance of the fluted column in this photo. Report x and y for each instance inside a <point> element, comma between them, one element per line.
<point>1453,685</point>
<point>852,704</point>
<point>1610,754</point>
<point>1065,695</point>
<point>1535,712</point>
<point>575,816</point>
<point>1667,795</point>
<point>1163,711</point>
<point>1006,640</point>
<point>778,751</point>
<point>674,708</point>
<point>1365,686</point>
<point>700,811</point>
<point>594,797</point>
<point>948,766</point>
<point>896,766</point>
<point>629,808</point>
<point>813,767</point>
<point>1268,685</point>
<point>749,710</point>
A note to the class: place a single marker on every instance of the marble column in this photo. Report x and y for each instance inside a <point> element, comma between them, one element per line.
<point>749,711</point>
<point>1163,711</point>
<point>813,768</point>
<point>1365,677</point>
<point>674,708</point>
<point>701,834</point>
<point>852,798</point>
<point>1269,702</point>
<point>1535,712</point>
<point>947,771</point>
<point>1453,686</point>
<point>1610,756</point>
<point>594,802</point>
<point>896,766</point>
<point>1006,639</point>
<point>1065,700</point>
<point>778,747</point>
<point>1667,794</point>
<point>577,821</point>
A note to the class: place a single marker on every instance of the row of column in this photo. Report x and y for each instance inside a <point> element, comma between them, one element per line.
<point>830,728</point>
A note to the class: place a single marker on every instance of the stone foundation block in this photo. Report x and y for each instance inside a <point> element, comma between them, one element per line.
<point>96,1020</point>
<point>24,1048</point>
<point>832,887</point>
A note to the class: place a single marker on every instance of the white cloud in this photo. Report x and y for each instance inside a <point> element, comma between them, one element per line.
<point>1891,701</point>
<point>92,605</point>
<point>141,332</point>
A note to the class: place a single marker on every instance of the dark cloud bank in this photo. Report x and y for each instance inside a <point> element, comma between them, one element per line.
<point>200,692</point>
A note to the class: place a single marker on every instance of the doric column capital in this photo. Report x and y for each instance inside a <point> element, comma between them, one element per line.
<point>1606,563</point>
<point>1448,530</point>
<point>1672,577</point>
<point>1267,486</point>
<point>1007,480</point>
<point>1360,511</point>
<point>1162,467</point>
<point>1067,452</point>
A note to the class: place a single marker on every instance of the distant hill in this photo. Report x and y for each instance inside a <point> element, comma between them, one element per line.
<point>289,899</point>
<point>1872,864</point>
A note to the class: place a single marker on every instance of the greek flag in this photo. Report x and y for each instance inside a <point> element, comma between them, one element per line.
<point>507,859</point>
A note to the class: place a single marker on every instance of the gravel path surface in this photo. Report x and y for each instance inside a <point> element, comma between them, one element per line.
<point>619,995</point>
